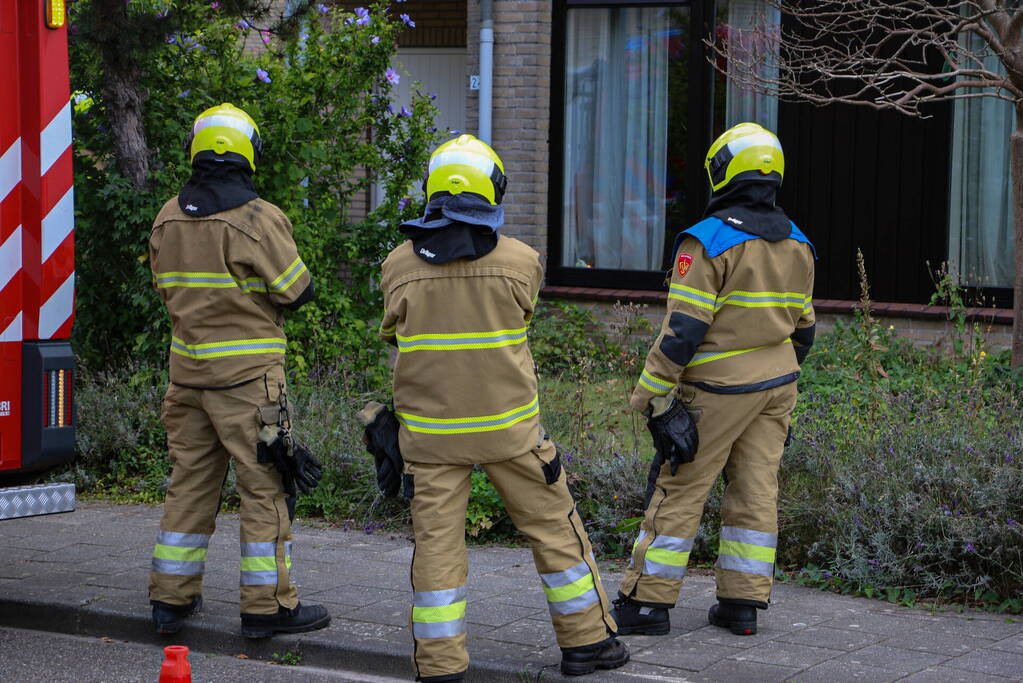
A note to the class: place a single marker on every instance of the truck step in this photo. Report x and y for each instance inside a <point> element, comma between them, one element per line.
<point>39,499</point>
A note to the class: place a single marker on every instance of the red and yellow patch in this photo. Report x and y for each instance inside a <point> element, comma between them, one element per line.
<point>684,261</point>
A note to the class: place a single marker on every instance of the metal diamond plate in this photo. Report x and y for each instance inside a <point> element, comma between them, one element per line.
<point>41,499</point>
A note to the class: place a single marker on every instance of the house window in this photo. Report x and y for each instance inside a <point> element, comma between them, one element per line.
<point>624,145</point>
<point>980,205</point>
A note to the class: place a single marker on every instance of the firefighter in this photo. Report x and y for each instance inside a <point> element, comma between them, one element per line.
<point>718,388</point>
<point>458,300</point>
<point>225,264</point>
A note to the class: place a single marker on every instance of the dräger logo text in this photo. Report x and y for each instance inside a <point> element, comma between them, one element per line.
<point>5,408</point>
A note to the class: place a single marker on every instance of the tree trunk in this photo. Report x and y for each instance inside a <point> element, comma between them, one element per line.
<point>1017,196</point>
<point>123,94</point>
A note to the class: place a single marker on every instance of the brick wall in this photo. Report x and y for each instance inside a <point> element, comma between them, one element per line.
<point>521,112</point>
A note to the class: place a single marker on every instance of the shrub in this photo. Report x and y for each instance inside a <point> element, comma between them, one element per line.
<point>321,99</point>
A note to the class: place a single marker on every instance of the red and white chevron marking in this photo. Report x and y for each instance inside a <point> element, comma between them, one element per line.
<point>57,199</point>
<point>10,237</point>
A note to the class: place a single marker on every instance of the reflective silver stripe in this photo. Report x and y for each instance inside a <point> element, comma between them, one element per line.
<point>571,575</point>
<point>259,579</point>
<point>761,538</point>
<point>741,564</point>
<point>179,567</point>
<point>440,598</point>
<point>260,549</point>
<point>438,629</point>
<point>664,570</point>
<point>225,120</point>
<point>756,140</point>
<point>481,163</point>
<point>183,540</point>
<point>673,543</point>
<point>574,605</point>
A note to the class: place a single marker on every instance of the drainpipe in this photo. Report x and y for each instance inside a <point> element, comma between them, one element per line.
<point>486,68</point>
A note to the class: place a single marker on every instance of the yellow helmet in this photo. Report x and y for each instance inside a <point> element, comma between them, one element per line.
<point>226,128</point>
<point>466,164</point>
<point>744,152</point>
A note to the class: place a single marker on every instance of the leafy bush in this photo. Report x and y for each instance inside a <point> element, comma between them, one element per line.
<point>321,97</point>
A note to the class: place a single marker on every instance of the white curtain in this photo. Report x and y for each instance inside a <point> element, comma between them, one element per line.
<point>980,205</point>
<point>753,30</point>
<point>616,136</point>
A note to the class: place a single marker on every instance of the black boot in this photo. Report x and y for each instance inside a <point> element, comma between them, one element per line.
<point>607,654</point>
<point>299,619</point>
<point>738,618</point>
<point>169,618</point>
<point>634,618</point>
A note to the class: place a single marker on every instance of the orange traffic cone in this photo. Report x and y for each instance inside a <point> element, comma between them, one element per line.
<point>175,668</point>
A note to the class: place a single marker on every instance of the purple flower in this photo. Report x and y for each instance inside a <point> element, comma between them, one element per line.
<point>263,76</point>
<point>362,17</point>
<point>184,93</point>
<point>243,25</point>
<point>969,548</point>
<point>827,575</point>
<point>375,39</point>
<point>265,37</point>
<point>407,21</point>
<point>321,8</point>
<point>454,132</point>
<point>405,111</point>
<point>214,5</point>
<point>614,525</point>
<point>1010,522</point>
<point>392,76</point>
<point>433,96</point>
<point>1009,458</point>
<point>403,202</point>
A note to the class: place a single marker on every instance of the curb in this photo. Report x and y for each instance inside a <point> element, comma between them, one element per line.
<point>220,635</point>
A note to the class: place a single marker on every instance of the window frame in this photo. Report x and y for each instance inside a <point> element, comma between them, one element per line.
<point>700,115</point>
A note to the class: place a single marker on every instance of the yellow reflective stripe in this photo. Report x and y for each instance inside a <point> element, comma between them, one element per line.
<point>701,358</point>
<point>469,425</point>
<point>571,590</point>
<point>234,347</point>
<point>691,295</point>
<point>170,552</point>
<point>536,298</point>
<point>259,564</point>
<point>292,273</point>
<point>433,615</point>
<point>746,551</point>
<point>664,556</point>
<point>388,331</point>
<point>461,335</point>
<point>655,384</point>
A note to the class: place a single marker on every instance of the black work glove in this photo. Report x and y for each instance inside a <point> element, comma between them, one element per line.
<point>381,439</point>
<point>306,470</point>
<point>674,434</point>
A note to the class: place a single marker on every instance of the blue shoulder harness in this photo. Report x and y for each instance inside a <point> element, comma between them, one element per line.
<point>717,237</point>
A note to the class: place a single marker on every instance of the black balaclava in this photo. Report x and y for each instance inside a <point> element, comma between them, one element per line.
<point>749,206</point>
<point>219,182</point>
<point>461,226</point>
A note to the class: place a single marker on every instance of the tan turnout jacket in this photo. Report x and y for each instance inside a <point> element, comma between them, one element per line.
<point>224,279</point>
<point>464,383</point>
<point>732,320</point>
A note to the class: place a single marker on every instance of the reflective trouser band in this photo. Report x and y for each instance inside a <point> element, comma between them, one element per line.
<point>747,551</point>
<point>236,347</point>
<point>666,556</point>
<point>655,384</point>
<point>439,614</point>
<point>701,358</point>
<point>461,341</point>
<point>259,563</point>
<point>570,591</point>
<point>181,554</point>
<point>469,425</point>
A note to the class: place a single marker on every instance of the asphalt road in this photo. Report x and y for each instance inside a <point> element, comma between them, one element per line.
<point>29,656</point>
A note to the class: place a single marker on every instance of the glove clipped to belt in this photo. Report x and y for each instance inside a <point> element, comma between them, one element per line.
<point>673,431</point>
<point>299,468</point>
<point>381,439</point>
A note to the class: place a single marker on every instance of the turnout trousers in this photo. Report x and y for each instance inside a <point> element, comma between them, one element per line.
<point>742,435</point>
<point>205,430</point>
<point>539,503</point>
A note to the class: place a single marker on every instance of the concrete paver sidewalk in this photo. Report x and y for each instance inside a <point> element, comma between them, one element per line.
<point>85,573</point>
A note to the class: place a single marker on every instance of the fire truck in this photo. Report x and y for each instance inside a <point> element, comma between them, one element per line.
<point>37,264</point>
